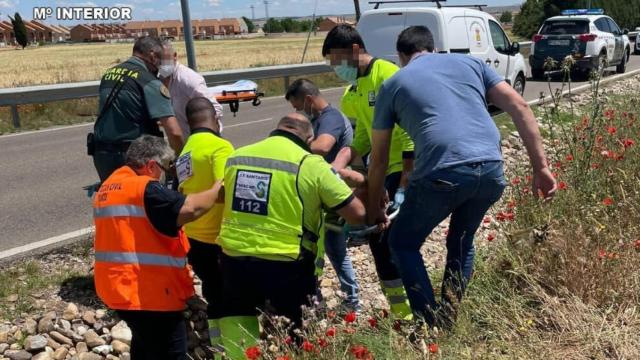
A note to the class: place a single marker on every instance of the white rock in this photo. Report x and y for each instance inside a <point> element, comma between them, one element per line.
<point>121,332</point>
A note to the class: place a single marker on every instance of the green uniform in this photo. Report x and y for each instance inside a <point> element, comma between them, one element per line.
<point>275,194</point>
<point>134,111</point>
<point>358,103</point>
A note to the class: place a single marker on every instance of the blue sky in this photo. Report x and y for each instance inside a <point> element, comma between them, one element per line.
<point>170,9</point>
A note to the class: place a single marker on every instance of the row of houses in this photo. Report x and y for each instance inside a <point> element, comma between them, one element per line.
<point>36,32</point>
<point>201,29</point>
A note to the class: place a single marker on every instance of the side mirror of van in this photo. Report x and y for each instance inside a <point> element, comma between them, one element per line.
<point>625,31</point>
<point>515,48</point>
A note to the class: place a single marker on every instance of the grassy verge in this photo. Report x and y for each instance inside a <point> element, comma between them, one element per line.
<point>25,284</point>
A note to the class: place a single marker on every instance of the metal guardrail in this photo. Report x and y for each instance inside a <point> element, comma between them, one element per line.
<point>48,93</point>
<point>58,92</point>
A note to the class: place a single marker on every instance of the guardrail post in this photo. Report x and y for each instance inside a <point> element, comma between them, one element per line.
<point>15,116</point>
<point>286,83</point>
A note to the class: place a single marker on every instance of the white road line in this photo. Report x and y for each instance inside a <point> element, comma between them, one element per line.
<point>46,242</point>
<point>44,131</point>
<point>246,123</point>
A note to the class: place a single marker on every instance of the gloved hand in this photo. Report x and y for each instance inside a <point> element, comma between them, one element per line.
<point>398,199</point>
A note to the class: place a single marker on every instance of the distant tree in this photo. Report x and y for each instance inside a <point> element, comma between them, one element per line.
<point>506,17</point>
<point>251,27</point>
<point>273,26</point>
<point>20,30</point>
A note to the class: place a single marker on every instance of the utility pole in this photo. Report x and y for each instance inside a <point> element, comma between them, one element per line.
<point>266,13</point>
<point>188,35</point>
<point>253,12</point>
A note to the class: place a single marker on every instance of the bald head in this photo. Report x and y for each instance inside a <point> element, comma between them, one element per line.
<point>297,124</point>
<point>201,113</point>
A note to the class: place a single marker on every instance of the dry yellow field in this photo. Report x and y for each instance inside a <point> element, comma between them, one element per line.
<point>82,62</point>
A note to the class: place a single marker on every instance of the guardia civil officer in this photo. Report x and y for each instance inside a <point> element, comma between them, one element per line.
<point>133,102</point>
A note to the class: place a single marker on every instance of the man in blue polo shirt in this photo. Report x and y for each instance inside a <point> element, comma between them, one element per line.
<point>440,100</point>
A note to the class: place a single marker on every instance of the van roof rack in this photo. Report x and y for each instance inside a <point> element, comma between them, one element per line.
<point>377,3</point>
<point>479,6</point>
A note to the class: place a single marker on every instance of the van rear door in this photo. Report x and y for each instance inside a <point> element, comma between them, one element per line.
<point>380,32</point>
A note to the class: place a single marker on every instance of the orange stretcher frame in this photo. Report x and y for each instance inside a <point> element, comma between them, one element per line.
<point>234,98</point>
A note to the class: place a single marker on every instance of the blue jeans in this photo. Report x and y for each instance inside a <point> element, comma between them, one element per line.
<point>465,192</point>
<point>335,246</point>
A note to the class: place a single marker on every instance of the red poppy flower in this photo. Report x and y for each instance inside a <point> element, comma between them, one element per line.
<point>562,185</point>
<point>609,114</point>
<point>602,254</point>
<point>554,174</point>
<point>373,322</point>
<point>331,332</point>
<point>612,130</point>
<point>503,216</point>
<point>607,201</point>
<point>350,317</point>
<point>307,346</point>
<point>595,166</point>
<point>322,343</point>
<point>516,180</point>
<point>609,154</point>
<point>637,244</point>
<point>569,157</point>
<point>252,353</point>
<point>486,220</point>
<point>511,204</point>
<point>331,315</point>
<point>433,348</point>
<point>558,164</point>
<point>288,340</point>
<point>490,237</point>
<point>361,352</point>
<point>628,143</point>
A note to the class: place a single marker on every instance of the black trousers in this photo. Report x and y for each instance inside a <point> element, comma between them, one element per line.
<point>252,286</point>
<point>107,162</point>
<point>379,243</point>
<point>205,261</point>
<point>157,335</point>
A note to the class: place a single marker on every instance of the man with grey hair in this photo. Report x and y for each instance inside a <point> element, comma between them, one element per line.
<point>184,84</point>
<point>132,103</point>
<point>141,269</point>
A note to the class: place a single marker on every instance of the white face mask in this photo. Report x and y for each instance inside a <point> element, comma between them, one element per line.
<point>165,70</point>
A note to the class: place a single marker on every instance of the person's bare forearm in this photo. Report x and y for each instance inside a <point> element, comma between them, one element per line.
<point>377,172</point>
<point>196,205</point>
<point>344,157</point>
<point>176,142</point>
<point>527,126</point>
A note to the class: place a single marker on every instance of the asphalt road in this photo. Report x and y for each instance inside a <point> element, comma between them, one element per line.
<point>42,173</point>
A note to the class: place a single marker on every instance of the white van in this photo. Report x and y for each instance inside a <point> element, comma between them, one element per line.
<point>455,30</point>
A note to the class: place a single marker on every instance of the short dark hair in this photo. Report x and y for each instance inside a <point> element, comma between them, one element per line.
<point>342,37</point>
<point>146,44</point>
<point>296,124</point>
<point>415,39</point>
<point>199,110</point>
<point>301,88</point>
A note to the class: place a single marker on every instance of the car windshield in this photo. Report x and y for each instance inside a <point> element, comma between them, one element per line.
<point>565,27</point>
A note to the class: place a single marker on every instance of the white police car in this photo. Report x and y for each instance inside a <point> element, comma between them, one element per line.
<point>455,30</point>
<point>593,39</point>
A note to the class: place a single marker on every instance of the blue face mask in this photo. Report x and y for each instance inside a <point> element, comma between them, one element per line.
<point>346,72</point>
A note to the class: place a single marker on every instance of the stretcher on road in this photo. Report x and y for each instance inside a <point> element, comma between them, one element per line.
<point>357,235</point>
<point>234,94</point>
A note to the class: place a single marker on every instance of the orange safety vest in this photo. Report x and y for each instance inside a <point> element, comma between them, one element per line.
<point>137,267</point>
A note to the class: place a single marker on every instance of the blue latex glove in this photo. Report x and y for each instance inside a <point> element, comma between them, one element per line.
<point>398,199</point>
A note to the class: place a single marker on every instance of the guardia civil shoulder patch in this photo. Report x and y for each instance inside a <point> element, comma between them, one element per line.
<point>164,91</point>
